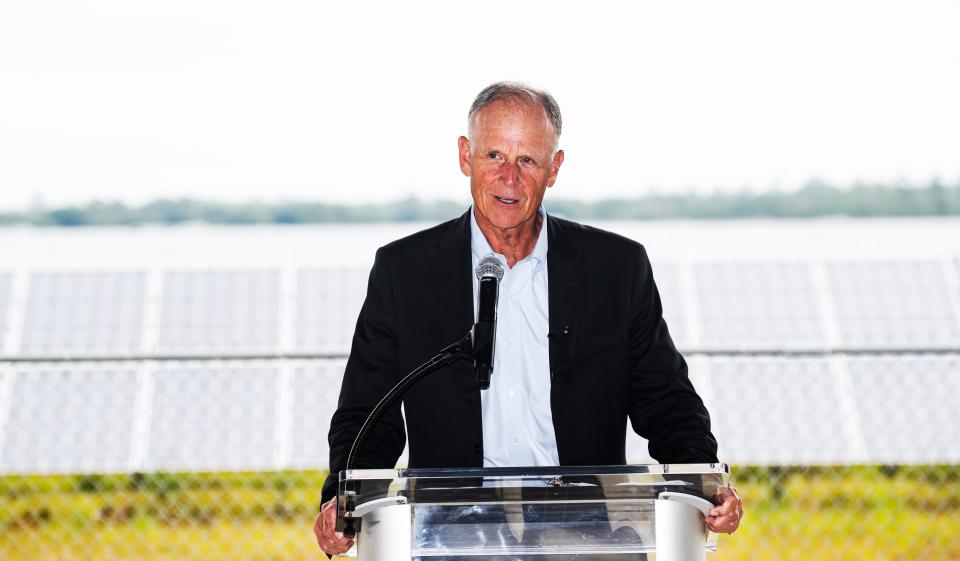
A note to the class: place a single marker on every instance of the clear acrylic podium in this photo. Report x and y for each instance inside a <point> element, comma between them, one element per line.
<point>599,512</point>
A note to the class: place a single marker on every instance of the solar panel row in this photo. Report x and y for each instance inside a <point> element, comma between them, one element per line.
<point>273,414</point>
<point>871,305</point>
<point>200,311</point>
<point>228,416</point>
<point>708,305</point>
<point>90,311</point>
<point>4,304</point>
<point>182,416</point>
<point>220,310</point>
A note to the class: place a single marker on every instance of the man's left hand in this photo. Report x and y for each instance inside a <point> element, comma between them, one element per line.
<point>725,518</point>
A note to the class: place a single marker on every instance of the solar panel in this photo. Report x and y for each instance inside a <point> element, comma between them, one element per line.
<point>637,447</point>
<point>235,415</point>
<point>316,389</point>
<point>758,305</point>
<point>328,302</point>
<point>893,304</point>
<point>83,312</point>
<point>908,407</point>
<point>675,310</point>
<point>212,417</point>
<point>69,418</point>
<point>220,311</point>
<point>5,281</point>
<point>777,411</point>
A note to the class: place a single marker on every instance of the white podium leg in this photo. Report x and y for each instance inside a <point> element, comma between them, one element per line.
<point>385,534</point>
<point>681,533</point>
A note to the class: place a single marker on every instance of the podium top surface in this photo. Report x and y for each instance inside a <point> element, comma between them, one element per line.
<point>537,472</point>
<point>534,484</point>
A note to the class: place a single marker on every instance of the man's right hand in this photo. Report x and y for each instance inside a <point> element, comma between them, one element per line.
<point>330,541</point>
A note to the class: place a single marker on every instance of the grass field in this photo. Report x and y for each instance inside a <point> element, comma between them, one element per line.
<point>792,513</point>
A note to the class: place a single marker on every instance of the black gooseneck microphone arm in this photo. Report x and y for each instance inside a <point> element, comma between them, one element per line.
<point>462,349</point>
<point>476,345</point>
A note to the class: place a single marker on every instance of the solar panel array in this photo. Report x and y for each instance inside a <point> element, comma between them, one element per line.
<point>758,305</point>
<point>80,312</point>
<point>907,408</point>
<point>885,304</point>
<point>788,306</point>
<point>328,302</point>
<point>273,413</point>
<point>4,303</point>
<point>73,418</point>
<point>316,387</point>
<point>836,410</point>
<point>212,415</point>
<point>214,311</point>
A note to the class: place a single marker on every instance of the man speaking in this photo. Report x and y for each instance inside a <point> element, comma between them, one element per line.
<point>581,344</point>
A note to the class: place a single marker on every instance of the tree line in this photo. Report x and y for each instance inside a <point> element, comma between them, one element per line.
<point>816,199</point>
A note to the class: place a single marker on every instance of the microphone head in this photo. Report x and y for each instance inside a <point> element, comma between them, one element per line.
<point>490,266</point>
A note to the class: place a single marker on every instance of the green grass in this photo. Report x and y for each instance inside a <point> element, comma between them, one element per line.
<point>160,516</point>
<point>847,513</point>
<point>792,513</point>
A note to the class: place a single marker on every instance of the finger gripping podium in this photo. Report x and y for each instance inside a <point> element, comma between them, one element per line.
<point>600,512</point>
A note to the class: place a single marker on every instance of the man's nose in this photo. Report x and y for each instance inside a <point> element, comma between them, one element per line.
<point>509,173</point>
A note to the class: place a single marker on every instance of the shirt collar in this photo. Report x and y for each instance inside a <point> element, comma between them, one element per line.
<point>481,247</point>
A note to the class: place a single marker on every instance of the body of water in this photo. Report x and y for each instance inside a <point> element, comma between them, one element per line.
<point>353,245</point>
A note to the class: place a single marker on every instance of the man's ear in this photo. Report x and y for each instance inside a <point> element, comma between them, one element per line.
<point>464,144</point>
<point>555,168</point>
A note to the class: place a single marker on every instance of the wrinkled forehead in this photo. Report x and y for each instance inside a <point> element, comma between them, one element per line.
<point>512,109</point>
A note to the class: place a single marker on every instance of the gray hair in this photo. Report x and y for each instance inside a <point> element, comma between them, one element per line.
<point>516,91</point>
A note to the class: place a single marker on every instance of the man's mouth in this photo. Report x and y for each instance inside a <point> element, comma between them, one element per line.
<point>505,200</point>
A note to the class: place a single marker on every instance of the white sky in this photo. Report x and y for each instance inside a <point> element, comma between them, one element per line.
<point>354,101</point>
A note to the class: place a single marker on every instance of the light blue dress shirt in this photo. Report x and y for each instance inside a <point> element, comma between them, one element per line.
<point>517,421</point>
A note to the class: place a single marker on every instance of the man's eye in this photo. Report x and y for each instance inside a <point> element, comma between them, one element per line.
<point>493,155</point>
<point>527,160</point>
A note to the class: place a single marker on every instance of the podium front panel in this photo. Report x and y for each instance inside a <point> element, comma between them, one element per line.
<point>511,511</point>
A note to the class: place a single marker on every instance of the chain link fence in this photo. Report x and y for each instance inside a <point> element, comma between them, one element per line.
<point>817,488</point>
<point>842,512</point>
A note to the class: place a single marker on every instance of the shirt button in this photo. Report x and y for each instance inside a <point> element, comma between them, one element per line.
<point>511,392</point>
<point>477,449</point>
<point>510,344</point>
<point>516,440</point>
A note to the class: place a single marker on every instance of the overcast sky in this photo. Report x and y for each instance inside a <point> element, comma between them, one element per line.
<point>358,102</point>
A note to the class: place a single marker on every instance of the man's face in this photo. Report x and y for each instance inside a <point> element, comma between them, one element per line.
<point>510,161</point>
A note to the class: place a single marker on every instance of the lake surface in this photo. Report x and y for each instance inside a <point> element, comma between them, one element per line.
<point>353,245</point>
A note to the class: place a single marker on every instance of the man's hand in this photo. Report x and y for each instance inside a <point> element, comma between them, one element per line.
<point>725,518</point>
<point>330,541</point>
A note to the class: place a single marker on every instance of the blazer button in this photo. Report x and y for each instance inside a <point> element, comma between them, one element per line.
<point>477,449</point>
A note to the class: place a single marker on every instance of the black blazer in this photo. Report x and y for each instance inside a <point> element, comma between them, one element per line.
<point>617,360</point>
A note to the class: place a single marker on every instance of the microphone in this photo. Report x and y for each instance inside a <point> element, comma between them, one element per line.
<point>489,273</point>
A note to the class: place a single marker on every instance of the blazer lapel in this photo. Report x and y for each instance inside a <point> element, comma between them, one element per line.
<point>565,295</point>
<point>456,321</point>
<point>457,266</point>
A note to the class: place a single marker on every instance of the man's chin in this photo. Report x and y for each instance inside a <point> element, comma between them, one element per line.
<point>508,220</point>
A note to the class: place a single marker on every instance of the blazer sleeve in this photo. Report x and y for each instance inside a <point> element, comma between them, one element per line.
<point>372,369</point>
<point>664,406</point>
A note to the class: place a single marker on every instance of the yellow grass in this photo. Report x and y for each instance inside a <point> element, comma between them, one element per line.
<point>821,514</point>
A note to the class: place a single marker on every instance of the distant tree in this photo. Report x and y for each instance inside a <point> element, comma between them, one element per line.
<point>816,198</point>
